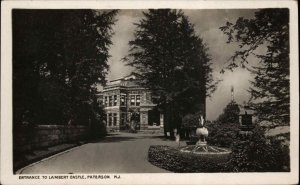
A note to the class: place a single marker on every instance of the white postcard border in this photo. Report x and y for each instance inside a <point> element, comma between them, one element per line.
<point>7,176</point>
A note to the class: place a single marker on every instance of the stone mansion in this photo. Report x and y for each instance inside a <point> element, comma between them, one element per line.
<point>124,97</point>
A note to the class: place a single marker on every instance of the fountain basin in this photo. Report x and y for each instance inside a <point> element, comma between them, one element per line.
<point>205,149</point>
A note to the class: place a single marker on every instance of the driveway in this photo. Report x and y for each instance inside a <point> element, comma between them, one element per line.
<point>117,153</point>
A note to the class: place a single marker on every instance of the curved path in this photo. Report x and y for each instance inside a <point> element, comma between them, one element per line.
<point>117,153</point>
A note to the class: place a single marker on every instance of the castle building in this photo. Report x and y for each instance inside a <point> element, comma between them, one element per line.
<point>124,97</point>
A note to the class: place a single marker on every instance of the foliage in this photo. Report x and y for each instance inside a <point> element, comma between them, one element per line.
<point>172,61</point>
<point>268,30</point>
<point>173,160</point>
<point>251,153</point>
<point>190,123</point>
<point>97,120</point>
<point>191,120</point>
<point>58,57</point>
<point>230,114</point>
<point>221,134</point>
<point>254,153</point>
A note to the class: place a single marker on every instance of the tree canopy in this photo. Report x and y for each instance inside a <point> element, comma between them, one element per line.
<point>58,57</point>
<point>172,61</point>
<point>270,89</point>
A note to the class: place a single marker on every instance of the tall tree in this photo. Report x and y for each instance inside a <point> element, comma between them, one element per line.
<point>270,89</point>
<point>172,61</point>
<point>58,57</point>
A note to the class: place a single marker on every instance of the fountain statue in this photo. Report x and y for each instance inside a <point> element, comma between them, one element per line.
<point>201,146</point>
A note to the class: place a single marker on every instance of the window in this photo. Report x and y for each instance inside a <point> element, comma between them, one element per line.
<point>109,119</point>
<point>115,119</point>
<point>138,100</point>
<point>110,101</point>
<point>135,100</point>
<point>132,100</point>
<point>122,99</point>
<point>115,100</point>
<point>105,101</point>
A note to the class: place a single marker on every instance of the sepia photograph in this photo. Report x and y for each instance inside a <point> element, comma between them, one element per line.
<point>101,93</point>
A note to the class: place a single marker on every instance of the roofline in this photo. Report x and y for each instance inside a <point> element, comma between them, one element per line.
<point>132,73</point>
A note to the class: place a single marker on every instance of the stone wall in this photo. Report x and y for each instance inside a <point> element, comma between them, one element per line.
<point>28,138</point>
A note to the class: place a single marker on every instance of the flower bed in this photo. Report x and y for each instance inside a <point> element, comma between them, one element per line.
<point>173,160</point>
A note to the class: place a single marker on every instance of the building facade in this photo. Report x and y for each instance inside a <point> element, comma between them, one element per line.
<point>123,98</point>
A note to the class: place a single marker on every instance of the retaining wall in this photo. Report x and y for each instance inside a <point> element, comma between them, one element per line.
<point>42,136</point>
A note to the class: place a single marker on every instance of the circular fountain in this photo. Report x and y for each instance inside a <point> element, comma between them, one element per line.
<point>201,146</point>
<point>198,158</point>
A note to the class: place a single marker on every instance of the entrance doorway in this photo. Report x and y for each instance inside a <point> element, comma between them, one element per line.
<point>135,120</point>
<point>153,117</point>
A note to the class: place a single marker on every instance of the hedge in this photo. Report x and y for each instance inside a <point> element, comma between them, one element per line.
<point>173,160</point>
<point>222,134</point>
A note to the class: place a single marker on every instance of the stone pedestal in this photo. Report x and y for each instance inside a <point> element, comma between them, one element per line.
<point>201,143</point>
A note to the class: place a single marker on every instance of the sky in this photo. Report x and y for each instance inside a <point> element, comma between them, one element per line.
<point>206,23</point>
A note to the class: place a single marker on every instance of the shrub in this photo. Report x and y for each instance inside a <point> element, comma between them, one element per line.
<point>97,128</point>
<point>230,113</point>
<point>190,121</point>
<point>222,134</point>
<point>253,153</point>
<point>173,160</point>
